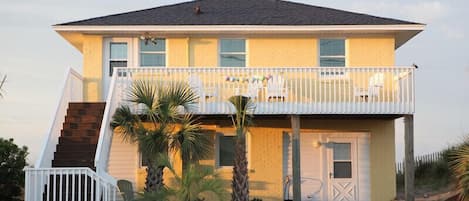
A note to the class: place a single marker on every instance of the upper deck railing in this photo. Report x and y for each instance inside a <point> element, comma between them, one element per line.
<point>289,90</point>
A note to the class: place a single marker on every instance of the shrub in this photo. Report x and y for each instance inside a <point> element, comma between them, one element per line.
<point>12,162</point>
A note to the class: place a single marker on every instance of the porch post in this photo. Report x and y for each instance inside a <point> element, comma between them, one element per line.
<point>409,166</point>
<point>295,123</point>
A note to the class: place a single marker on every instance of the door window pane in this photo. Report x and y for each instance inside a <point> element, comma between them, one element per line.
<point>342,169</point>
<point>342,151</point>
<point>151,54</point>
<point>226,150</point>
<point>232,53</point>
<point>342,160</point>
<point>118,50</point>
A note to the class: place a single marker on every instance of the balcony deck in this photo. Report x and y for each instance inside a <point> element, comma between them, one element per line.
<point>288,90</point>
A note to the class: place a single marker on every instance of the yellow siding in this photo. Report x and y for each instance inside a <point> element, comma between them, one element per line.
<point>203,52</point>
<point>370,51</point>
<point>124,161</point>
<point>281,52</point>
<point>177,52</point>
<point>92,67</point>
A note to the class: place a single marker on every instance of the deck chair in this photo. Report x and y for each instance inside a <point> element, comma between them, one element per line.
<point>197,86</point>
<point>126,189</point>
<point>375,83</point>
<point>276,88</point>
<point>253,89</point>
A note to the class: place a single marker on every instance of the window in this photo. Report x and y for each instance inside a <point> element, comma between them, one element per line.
<point>226,150</point>
<point>332,53</point>
<point>151,54</point>
<point>232,52</point>
<point>118,56</point>
<point>342,160</point>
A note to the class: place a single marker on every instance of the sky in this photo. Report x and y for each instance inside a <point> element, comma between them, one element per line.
<point>35,59</point>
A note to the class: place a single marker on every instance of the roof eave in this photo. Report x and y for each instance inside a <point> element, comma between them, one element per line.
<point>236,28</point>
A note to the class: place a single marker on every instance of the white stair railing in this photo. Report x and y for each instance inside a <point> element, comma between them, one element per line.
<point>105,134</point>
<point>72,92</point>
<point>71,184</point>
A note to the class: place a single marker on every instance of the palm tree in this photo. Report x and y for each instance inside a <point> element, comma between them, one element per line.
<point>241,121</point>
<point>159,127</point>
<point>195,184</point>
<point>460,166</point>
<point>1,85</point>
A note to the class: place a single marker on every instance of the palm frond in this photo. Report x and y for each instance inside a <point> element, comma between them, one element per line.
<point>460,166</point>
<point>244,108</point>
<point>192,143</point>
<point>126,123</point>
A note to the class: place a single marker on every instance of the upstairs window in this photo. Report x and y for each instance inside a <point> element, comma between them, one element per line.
<point>232,53</point>
<point>118,56</point>
<point>332,53</point>
<point>151,54</point>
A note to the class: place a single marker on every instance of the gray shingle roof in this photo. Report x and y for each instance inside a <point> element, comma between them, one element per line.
<point>239,12</point>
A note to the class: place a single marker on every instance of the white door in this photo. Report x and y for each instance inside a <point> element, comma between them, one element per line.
<point>342,167</point>
<point>117,53</point>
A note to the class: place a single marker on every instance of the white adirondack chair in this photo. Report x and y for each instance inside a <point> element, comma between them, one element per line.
<point>375,83</point>
<point>197,86</point>
<point>253,89</point>
<point>276,88</point>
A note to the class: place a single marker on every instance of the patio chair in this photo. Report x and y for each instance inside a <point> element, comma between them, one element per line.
<point>126,189</point>
<point>312,187</point>
<point>197,86</point>
<point>276,88</point>
<point>375,83</point>
<point>253,89</point>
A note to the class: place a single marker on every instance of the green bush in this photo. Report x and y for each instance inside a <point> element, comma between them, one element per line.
<point>12,162</point>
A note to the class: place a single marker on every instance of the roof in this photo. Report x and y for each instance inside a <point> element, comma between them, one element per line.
<point>239,12</point>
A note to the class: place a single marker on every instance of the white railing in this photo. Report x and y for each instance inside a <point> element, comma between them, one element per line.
<point>283,90</point>
<point>71,184</point>
<point>72,92</point>
<point>105,134</point>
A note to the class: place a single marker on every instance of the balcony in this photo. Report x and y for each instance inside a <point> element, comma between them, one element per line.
<point>284,90</point>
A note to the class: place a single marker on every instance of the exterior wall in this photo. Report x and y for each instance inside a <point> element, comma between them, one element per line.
<point>92,67</point>
<point>282,52</point>
<point>370,51</point>
<point>265,155</point>
<point>124,160</point>
<point>267,51</point>
<point>203,52</point>
<point>178,52</point>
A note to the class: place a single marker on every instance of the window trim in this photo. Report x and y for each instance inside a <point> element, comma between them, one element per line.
<point>139,53</point>
<point>345,56</point>
<point>245,53</point>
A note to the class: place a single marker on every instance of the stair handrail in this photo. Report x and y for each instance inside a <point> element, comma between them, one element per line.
<point>105,132</point>
<point>72,91</point>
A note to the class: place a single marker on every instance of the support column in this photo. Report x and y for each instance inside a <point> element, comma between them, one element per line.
<point>295,124</point>
<point>409,166</point>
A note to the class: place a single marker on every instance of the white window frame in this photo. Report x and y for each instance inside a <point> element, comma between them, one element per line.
<point>139,52</point>
<point>233,53</point>
<point>332,76</point>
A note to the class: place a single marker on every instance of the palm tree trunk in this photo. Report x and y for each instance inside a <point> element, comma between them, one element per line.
<point>154,179</point>
<point>240,184</point>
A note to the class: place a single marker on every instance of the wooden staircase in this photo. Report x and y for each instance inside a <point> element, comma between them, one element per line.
<point>79,136</point>
<point>76,148</point>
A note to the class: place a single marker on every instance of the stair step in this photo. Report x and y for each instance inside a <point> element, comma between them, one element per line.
<point>83,119</point>
<point>76,147</point>
<point>78,125</point>
<point>79,140</point>
<point>80,132</point>
<point>83,154</point>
